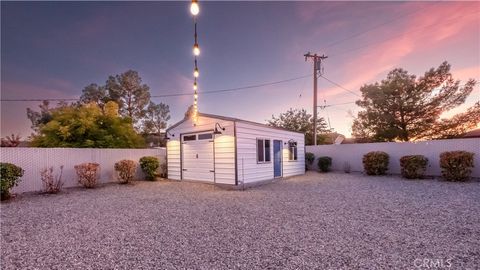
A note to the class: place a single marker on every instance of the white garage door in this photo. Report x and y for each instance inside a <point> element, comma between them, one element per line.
<point>197,157</point>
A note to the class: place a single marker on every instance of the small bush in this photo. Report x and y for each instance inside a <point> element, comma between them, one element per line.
<point>87,174</point>
<point>346,167</point>
<point>126,170</point>
<point>9,177</point>
<point>375,163</point>
<point>149,166</point>
<point>52,183</point>
<point>309,158</point>
<point>413,166</point>
<point>456,165</point>
<point>324,163</point>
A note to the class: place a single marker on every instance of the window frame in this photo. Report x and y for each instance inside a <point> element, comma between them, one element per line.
<point>189,136</point>
<point>293,152</point>
<point>201,139</point>
<point>264,149</point>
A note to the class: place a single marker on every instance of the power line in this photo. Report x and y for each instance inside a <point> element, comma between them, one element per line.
<point>181,94</point>
<point>338,104</point>
<point>373,28</point>
<point>255,86</point>
<point>336,84</point>
<point>403,34</point>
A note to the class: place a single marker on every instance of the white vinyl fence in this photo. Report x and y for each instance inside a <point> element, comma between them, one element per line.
<point>33,160</point>
<point>352,153</point>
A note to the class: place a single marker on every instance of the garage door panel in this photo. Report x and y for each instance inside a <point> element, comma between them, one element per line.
<point>200,176</point>
<point>197,160</point>
<point>195,166</point>
<point>193,154</point>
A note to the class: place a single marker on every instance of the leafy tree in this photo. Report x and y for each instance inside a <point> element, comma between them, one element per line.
<point>450,128</point>
<point>189,112</point>
<point>87,126</point>
<point>94,93</point>
<point>111,109</point>
<point>40,118</point>
<point>131,95</point>
<point>156,118</point>
<point>404,107</point>
<point>301,121</point>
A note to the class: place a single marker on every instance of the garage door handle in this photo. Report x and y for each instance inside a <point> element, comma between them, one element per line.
<point>184,169</point>
<point>212,170</point>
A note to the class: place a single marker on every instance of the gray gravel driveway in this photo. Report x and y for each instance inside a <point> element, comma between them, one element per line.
<point>316,221</point>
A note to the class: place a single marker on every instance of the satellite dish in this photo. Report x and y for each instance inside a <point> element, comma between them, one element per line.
<point>339,139</point>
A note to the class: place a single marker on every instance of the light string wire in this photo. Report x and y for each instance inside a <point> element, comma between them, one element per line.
<point>194,9</point>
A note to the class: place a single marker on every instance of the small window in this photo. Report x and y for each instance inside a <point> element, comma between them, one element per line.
<point>292,151</point>
<point>260,152</point>
<point>263,150</point>
<point>267,150</point>
<point>189,138</point>
<point>205,136</point>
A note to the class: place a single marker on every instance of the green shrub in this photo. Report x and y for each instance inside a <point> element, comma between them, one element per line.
<point>375,163</point>
<point>9,177</point>
<point>87,174</point>
<point>126,170</point>
<point>413,166</point>
<point>324,163</point>
<point>309,158</point>
<point>149,166</point>
<point>456,165</point>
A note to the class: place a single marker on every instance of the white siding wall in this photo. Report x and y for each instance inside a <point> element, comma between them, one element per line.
<point>224,148</point>
<point>33,160</point>
<point>353,153</point>
<point>248,169</point>
<point>173,158</point>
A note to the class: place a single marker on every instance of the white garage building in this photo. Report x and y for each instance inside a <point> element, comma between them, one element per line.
<point>225,150</point>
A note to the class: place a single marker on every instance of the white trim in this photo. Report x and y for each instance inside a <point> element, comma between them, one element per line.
<point>264,150</point>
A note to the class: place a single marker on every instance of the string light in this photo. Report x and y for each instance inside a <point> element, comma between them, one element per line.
<point>195,9</point>
<point>196,73</point>
<point>196,50</point>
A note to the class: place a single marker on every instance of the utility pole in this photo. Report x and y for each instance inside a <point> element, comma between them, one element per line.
<point>317,71</point>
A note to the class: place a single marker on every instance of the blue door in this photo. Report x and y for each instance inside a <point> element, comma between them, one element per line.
<point>277,158</point>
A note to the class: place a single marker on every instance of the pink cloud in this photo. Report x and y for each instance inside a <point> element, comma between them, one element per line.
<point>414,36</point>
<point>467,73</point>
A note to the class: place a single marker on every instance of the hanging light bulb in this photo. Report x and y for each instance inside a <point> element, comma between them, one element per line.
<point>194,8</point>
<point>195,71</point>
<point>195,86</point>
<point>196,49</point>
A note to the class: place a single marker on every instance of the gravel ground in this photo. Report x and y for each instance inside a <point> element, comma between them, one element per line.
<point>316,221</point>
